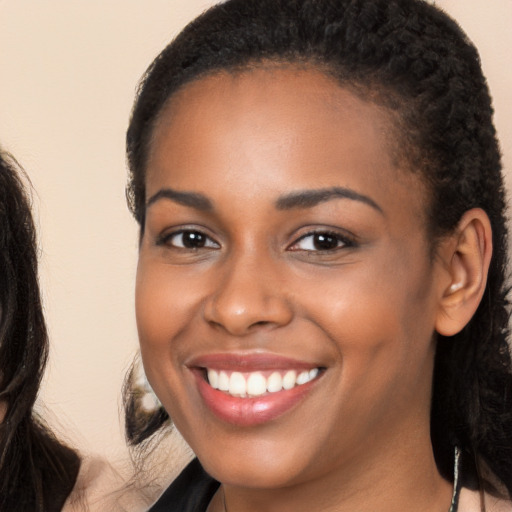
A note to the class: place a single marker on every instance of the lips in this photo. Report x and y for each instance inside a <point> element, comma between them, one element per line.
<point>252,390</point>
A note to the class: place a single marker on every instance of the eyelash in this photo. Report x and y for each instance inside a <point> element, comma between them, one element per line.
<point>343,241</point>
<point>325,236</point>
<point>166,239</point>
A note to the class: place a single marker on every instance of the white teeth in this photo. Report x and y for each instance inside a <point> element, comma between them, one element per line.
<point>313,373</point>
<point>237,384</point>
<point>289,379</point>
<point>302,378</point>
<point>274,382</point>
<point>255,383</point>
<point>223,381</point>
<point>213,379</point>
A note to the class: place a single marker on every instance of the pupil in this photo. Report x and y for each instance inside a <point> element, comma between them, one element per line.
<point>323,242</point>
<point>193,240</point>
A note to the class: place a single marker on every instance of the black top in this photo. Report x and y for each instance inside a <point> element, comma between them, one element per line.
<point>193,490</point>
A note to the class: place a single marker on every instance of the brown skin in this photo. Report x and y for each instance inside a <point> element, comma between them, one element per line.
<point>366,311</point>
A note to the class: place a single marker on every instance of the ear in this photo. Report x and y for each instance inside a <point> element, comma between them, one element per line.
<point>467,255</point>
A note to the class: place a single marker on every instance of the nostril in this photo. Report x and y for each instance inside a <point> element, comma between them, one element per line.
<point>261,323</point>
<point>214,323</point>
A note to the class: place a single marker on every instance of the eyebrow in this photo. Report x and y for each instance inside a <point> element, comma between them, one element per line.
<point>299,199</point>
<point>191,199</point>
<point>310,198</point>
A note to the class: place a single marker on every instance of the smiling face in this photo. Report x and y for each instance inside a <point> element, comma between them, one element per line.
<point>285,260</point>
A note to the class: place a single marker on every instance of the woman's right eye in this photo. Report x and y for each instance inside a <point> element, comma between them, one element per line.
<point>188,239</point>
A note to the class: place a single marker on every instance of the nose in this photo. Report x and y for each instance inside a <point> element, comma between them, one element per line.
<point>248,295</point>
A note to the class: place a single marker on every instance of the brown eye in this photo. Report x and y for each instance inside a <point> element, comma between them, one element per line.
<point>324,242</point>
<point>189,239</point>
<point>193,240</point>
<point>321,241</point>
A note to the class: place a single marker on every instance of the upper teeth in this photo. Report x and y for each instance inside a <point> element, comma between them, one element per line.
<point>255,383</point>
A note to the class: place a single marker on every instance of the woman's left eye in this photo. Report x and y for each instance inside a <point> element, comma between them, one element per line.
<point>321,241</point>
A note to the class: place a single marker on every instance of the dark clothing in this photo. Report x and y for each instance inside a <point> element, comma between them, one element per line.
<point>192,491</point>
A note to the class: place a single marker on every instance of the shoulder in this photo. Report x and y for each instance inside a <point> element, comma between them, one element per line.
<point>101,487</point>
<point>493,504</point>
<point>95,480</point>
<point>470,501</point>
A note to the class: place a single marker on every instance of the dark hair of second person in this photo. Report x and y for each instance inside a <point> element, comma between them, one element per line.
<point>37,472</point>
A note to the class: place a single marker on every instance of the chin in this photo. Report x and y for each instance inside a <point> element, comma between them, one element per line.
<point>258,467</point>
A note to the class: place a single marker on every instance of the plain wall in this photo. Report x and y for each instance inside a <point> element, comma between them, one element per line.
<point>68,74</point>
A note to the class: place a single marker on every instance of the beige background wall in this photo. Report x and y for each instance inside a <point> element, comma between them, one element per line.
<point>68,71</point>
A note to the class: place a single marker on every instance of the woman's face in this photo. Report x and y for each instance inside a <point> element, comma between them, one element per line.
<point>284,260</point>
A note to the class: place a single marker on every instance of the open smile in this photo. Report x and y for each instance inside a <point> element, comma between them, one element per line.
<point>249,391</point>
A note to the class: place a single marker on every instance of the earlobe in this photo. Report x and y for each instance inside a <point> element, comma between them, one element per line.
<point>467,258</point>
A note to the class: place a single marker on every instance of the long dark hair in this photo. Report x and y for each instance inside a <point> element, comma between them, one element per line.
<point>413,59</point>
<point>37,472</point>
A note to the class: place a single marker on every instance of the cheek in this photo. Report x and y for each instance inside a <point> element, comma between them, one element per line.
<point>168,303</point>
<point>161,310</point>
<point>380,317</point>
<point>164,303</point>
<point>159,313</point>
<point>371,303</point>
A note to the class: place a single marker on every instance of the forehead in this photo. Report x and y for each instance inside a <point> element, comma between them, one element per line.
<point>280,94</point>
<point>277,125</point>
